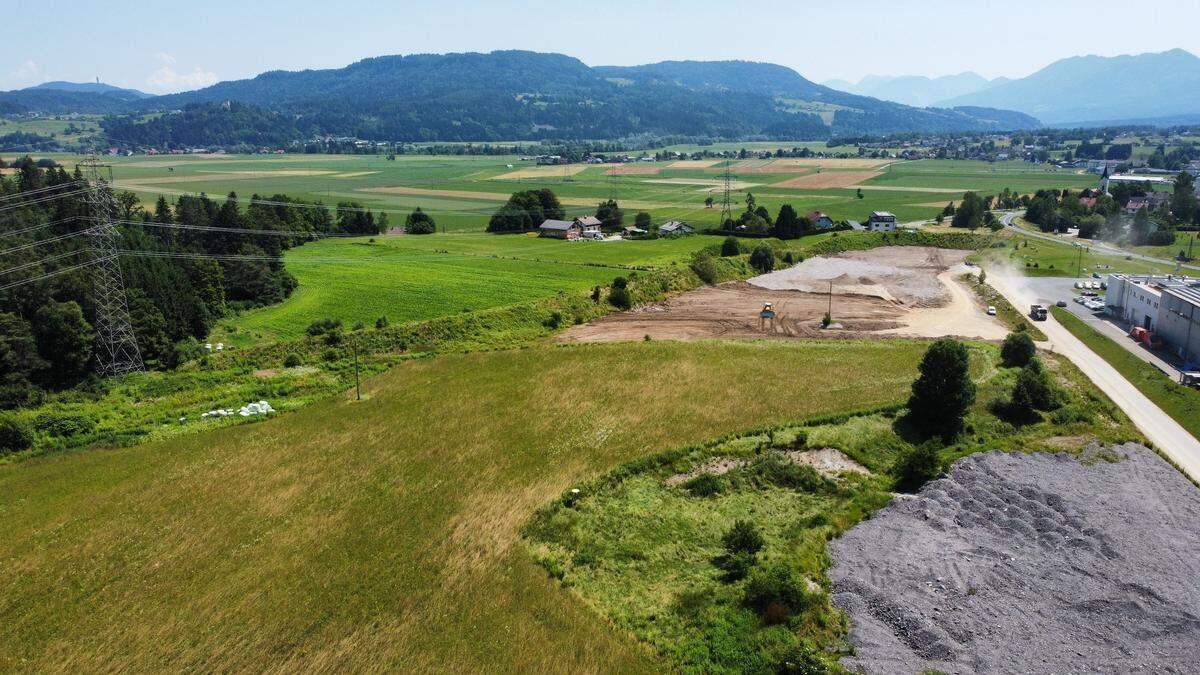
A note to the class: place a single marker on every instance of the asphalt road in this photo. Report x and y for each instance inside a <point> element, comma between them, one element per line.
<point>1165,433</point>
<point>1007,221</point>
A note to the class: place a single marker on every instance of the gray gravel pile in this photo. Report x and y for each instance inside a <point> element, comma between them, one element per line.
<point>1029,563</point>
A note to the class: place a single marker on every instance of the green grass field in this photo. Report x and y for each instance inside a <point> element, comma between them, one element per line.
<point>461,192</point>
<point>383,534</point>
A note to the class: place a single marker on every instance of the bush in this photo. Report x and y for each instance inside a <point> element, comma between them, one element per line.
<point>292,361</point>
<point>554,320</point>
<point>619,297</point>
<point>64,424</point>
<point>705,485</point>
<point>776,592</point>
<point>743,537</point>
<point>916,466</point>
<point>730,247</point>
<point>1033,390</point>
<point>381,322</point>
<point>775,469</point>
<point>323,326</point>
<point>705,267</point>
<point>802,660</point>
<point>1018,349</point>
<point>15,435</point>
<point>763,258</point>
<point>419,222</point>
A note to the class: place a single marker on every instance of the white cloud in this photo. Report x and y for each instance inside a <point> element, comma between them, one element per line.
<point>167,79</point>
<point>28,71</point>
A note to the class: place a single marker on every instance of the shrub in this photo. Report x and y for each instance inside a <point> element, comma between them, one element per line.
<point>334,337</point>
<point>291,361</point>
<point>916,466</point>
<point>323,326</point>
<point>944,391</point>
<point>735,566</point>
<point>802,660</point>
<point>619,295</point>
<point>64,424</point>
<point>776,592</point>
<point>743,537</point>
<point>763,258</point>
<point>381,322</point>
<point>15,435</point>
<point>1018,349</point>
<point>730,247</point>
<point>554,320</point>
<point>358,325</point>
<point>775,469</point>
<point>705,267</point>
<point>705,485</point>
<point>419,222</point>
<point>1034,390</point>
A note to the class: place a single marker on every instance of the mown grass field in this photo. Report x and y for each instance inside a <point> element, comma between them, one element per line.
<point>381,534</point>
<point>1037,257</point>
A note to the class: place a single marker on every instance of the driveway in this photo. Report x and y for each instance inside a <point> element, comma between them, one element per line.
<point>1166,434</point>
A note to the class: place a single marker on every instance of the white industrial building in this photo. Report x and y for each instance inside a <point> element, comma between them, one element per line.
<point>1166,305</point>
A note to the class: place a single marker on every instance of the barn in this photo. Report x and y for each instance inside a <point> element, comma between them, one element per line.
<point>560,229</point>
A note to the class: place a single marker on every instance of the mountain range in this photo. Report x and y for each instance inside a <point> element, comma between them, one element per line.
<point>520,95</point>
<point>917,90</point>
<point>1096,89</point>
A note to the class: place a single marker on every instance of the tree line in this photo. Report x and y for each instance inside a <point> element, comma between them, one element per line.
<point>190,263</point>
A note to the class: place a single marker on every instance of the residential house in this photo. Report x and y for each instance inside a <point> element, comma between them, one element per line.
<point>881,221</point>
<point>560,229</point>
<point>589,223</point>
<point>820,220</point>
<point>1136,204</point>
<point>675,228</point>
<point>632,231</point>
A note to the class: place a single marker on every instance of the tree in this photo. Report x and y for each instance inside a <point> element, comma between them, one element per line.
<point>762,258</point>
<point>15,435</point>
<point>1141,228</point>
<point>969,213</point>
<point>743,537</point>
<point>642,221</point>
<point>419,222</point>
<point>788,224</point>
<point>1183,200</point>
<point>1018,350</point>
<point>730,247</point>
<point>708,202</point>
<point>19,359</point>
<point>944,391</point>
<point>610,214</point>
<point>64,340</point>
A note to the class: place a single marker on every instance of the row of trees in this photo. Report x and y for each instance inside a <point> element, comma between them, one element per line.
<point>756,220</point>
<point>189,263</point>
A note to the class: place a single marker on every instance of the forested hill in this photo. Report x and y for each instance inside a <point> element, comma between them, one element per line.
<point>519,95</point>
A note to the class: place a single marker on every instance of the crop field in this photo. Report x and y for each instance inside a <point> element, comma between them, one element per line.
<point>410,278</point>
<point>461,192</point>
<point>317,540</point>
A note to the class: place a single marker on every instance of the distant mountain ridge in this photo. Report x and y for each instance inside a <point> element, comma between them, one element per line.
<point>89,88</point>
<point>521,95</point>
<point>917,90</point>
<point>1097,89</point>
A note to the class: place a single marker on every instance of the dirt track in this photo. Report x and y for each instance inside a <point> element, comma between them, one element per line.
<point>886,292</point>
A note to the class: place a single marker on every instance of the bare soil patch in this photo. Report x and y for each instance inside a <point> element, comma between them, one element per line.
<point>1028,563</point>
<point>827,462</point>
<point>549,171</point>
<point>633,170</point>
<point>694,164</point>
<point>889,291</point>
<point>828,179</point>
<point>830,163</point>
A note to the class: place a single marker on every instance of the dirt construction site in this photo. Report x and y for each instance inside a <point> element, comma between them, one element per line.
<point>887,292</point>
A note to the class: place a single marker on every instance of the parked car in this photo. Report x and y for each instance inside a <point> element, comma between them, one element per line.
<point>991,310</point>
<point>1061,303</point>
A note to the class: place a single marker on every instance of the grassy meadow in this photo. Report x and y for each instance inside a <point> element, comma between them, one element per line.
<point>382,534</point>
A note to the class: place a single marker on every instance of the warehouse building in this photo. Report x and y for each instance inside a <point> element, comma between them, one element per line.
<point>1166,305</point>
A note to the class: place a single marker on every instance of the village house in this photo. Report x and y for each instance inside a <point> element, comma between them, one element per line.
<point>675,228</point>
<point>1136,204</point>
<point>560,229</point>
<point>820,220</point>
<point>589,223</point>
<point>881,221</point>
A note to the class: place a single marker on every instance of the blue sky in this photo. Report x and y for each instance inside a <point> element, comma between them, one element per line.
<point>169,46</point>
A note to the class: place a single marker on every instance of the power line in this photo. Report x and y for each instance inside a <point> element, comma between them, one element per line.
<point>41,200</point>
<point>36,191</point>
<point>47,275</point>
<point>49,240</point>
<point>31,228</point>
<point>43,261</point>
